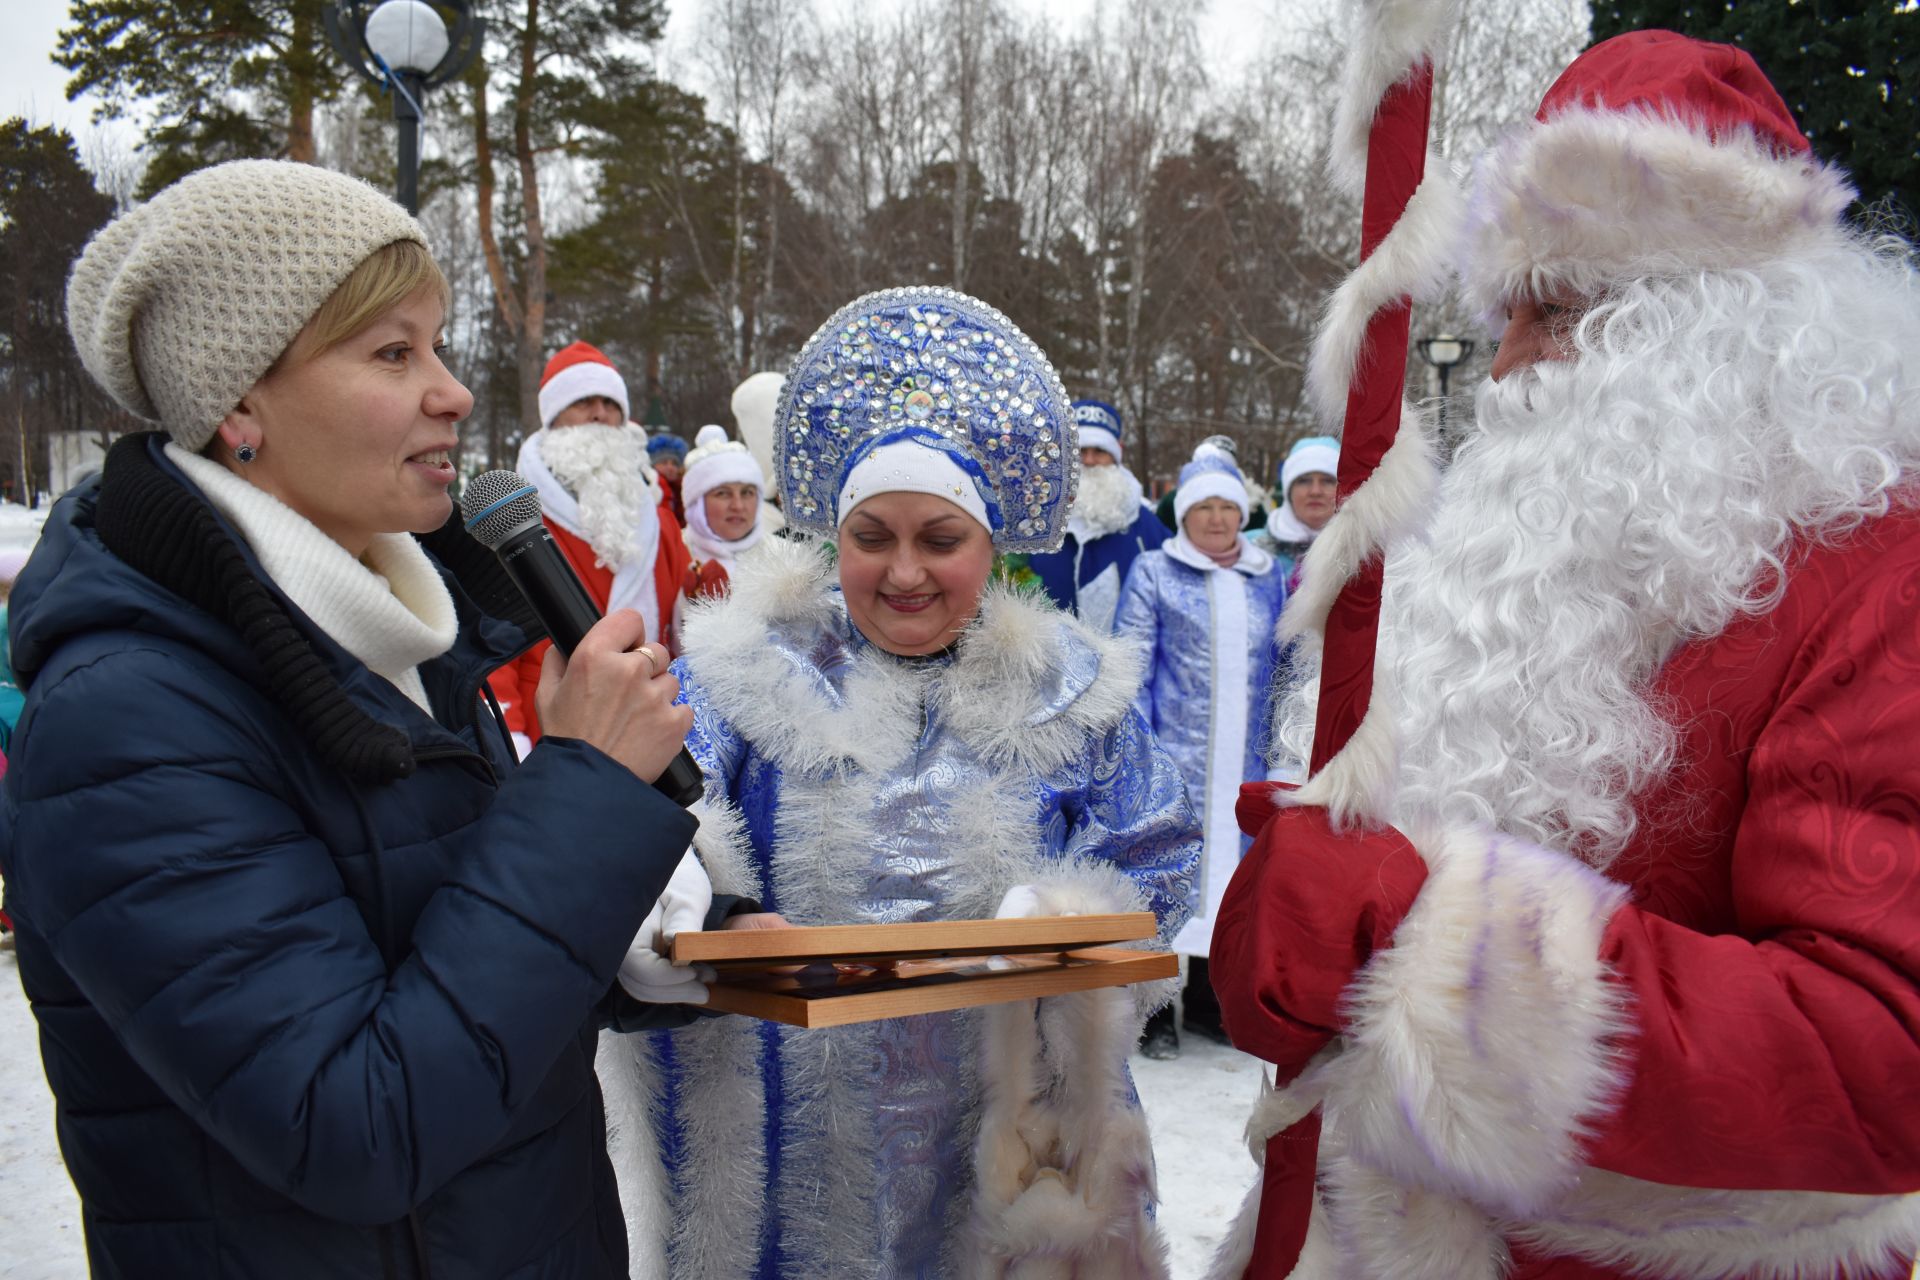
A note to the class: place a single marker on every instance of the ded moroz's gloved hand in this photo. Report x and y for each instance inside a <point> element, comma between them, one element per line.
<point>1306,909</point>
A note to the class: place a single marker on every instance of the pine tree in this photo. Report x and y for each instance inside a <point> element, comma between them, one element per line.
<point>48,210</point>
<point>1845,67</point>
<point>226,79</point>
<point>560,59</point>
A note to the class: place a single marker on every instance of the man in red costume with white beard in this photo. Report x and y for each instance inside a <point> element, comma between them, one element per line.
<point>1618,972</point>
<point>605,509</point>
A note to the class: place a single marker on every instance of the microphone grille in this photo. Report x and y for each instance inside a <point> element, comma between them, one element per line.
<point>497,504</point>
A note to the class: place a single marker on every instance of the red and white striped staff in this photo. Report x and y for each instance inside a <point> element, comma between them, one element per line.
<point>1357,377</point>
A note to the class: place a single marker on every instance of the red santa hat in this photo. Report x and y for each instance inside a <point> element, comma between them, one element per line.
<point>577,371</point>
<point>1653,155</point>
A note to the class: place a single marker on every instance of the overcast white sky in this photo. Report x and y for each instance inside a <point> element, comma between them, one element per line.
<point>32,86</point>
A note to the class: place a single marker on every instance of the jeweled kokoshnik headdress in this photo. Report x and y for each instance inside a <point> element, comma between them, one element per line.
<point>943,370</point>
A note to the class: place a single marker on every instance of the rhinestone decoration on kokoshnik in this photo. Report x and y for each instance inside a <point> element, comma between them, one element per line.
<point>939,361</point>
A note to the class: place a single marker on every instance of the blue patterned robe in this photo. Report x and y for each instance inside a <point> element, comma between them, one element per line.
<point>1085,578</point>
<point>1207,633</point>
<point>847,786</point>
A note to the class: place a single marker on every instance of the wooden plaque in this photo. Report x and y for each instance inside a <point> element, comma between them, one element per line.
<point>832,995</point>
<point>767,948</point>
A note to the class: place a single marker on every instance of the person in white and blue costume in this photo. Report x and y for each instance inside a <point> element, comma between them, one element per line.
<point>885,742</point>
<point>1110,524</point>
<point>1203,608</point>
<point>1309,480</point>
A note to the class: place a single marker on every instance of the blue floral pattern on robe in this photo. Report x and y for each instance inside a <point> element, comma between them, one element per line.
<point>868,1129</point>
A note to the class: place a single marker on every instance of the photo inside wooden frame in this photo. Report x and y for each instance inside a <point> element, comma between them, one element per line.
<point>838,974</point>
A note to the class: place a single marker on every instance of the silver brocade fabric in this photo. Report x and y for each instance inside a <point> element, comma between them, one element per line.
<point>870,1127</point>
<point>1170,609</point>
<point>1167,606</point>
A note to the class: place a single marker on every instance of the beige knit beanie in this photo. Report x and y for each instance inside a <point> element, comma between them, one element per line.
<point>181,304</point>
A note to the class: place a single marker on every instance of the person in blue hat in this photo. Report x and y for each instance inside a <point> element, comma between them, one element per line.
<point>1203,608</point>
<point>1110,524</point>
<point>667,453</point>
<point>890,735</point>
<point>1309,479</point>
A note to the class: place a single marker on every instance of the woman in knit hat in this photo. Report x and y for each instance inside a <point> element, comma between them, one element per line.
<point>888,738</point>
<point>1309,480</point>
<point>723,487</point>
<point>1203,606</point>
<point>318,991</point>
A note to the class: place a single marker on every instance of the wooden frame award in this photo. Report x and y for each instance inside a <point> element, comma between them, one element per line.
<point>838,974</point>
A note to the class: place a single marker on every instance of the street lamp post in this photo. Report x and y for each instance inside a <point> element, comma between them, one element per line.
<point>405,46</point>
<point>1443,351</point>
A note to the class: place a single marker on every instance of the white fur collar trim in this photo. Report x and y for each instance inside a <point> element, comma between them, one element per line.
<point>778,659</point>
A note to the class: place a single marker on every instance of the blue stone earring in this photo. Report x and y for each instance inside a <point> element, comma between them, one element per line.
<point>246,453</point>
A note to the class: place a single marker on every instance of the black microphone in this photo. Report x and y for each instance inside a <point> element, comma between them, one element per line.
<point>502,510</point>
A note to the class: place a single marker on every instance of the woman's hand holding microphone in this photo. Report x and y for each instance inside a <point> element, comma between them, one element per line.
<point>617,694</point>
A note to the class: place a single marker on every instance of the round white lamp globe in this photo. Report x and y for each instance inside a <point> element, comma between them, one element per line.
<point>408,34</point>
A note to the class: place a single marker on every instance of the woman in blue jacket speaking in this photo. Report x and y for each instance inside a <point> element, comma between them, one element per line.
<point>318,972</point>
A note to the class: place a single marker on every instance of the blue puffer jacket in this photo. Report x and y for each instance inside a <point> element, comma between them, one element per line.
<point>317,988</point>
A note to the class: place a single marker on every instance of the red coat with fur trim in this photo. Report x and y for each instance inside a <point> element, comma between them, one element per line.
<point>513,684</point>
<point>1705,1063</point>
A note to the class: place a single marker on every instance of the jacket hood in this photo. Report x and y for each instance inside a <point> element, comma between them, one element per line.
<point>73,585</point>
<point>141,550</point>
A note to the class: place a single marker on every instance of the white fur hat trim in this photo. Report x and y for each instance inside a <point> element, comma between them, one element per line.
<point>578,381</point>
<point>717,461</point>
<point>1590,198</point>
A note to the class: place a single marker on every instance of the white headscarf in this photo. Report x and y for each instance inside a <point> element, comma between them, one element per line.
<point>907,466</point>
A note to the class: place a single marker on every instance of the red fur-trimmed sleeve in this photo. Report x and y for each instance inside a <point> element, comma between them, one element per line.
<point>1785,1053</point>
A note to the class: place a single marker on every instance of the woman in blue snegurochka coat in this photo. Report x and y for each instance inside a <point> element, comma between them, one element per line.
<point>1203,607</point>
<point>317,968</point>
<point>888,738</point>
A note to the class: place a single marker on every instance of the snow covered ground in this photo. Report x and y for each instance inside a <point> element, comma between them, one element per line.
<point>19,527</point>
<point>1197,1105</point>
<point>38,1209</point>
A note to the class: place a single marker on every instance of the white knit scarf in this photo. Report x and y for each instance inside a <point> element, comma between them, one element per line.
<point>595,483</point>
<point>389,609</point>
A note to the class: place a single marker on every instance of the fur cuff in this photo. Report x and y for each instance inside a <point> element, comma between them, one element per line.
<point>1087,889</point>
<point>1097,889</point>
<point>1694,1233</point>
<point>1479,1043</point>
<point>1591,198</point>
<point>1063,1166</point>
<point>725,849</point>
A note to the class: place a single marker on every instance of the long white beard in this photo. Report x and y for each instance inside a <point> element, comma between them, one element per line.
<point>606,469</point>
<point>1611,508</point>
<point>1108,501</point>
